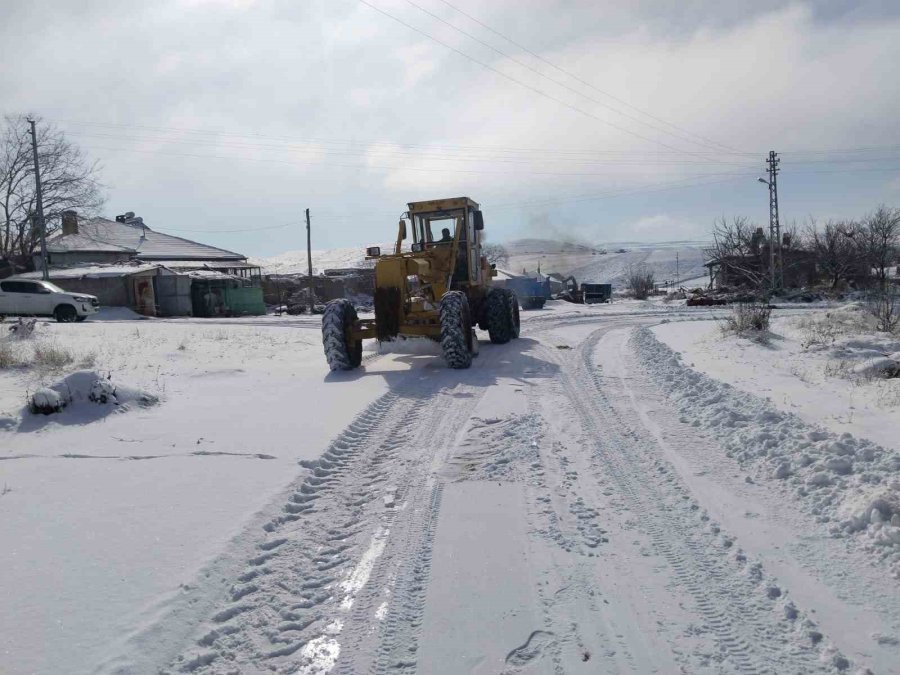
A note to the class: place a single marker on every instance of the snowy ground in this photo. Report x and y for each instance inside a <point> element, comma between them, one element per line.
<point>559,507</point>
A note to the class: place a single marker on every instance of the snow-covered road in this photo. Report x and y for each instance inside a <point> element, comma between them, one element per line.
<point>550,509</point>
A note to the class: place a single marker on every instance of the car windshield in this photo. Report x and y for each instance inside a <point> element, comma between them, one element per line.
<point>52,287</point>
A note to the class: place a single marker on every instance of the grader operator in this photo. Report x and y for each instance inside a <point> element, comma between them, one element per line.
<point>439,288</point>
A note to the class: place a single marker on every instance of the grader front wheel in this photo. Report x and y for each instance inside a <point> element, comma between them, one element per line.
<point>341,350</point>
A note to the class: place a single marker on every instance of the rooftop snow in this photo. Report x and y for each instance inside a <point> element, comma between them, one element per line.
<point>90,271</point>
<point>102,235</point>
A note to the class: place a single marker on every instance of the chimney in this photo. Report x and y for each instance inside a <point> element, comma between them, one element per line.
<point>69,222</point>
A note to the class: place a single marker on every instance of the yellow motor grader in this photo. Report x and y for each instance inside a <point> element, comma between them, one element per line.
<point>438,287</point>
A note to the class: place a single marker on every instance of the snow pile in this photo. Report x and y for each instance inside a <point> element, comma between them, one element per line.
<point>880,366</point>
<point>87,387</point>
<point>850,483</point>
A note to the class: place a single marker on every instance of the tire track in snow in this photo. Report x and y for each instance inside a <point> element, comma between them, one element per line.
<point>731,602</point>
<point>280,604</point>
<point>392,647</point>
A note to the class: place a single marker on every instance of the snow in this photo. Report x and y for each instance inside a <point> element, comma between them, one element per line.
<point>92,271</point>
<point>828,385</point>
<point>579,500</point>
<point>295,262</point>
<point>139,503</point>
<point>844,479</point>
<point>665,261</point>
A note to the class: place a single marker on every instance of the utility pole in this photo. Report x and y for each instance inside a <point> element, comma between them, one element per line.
<point>312,301</point>
<point>676,269</point>
<point>40,204</point>
<point>776,259</point>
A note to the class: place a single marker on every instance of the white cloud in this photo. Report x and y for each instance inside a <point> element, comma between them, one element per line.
<point>316,89</point>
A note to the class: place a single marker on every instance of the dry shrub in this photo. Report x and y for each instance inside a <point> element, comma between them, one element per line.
<point>884,305</point>
<point>819,331</point>
<point>748,318</point>
<point>51,356</point>
<point>9,355</point>
<point>640,282</point>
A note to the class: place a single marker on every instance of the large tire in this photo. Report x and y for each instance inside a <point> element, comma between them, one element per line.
<point>341,350</point>
<point>514,313</point>
<point>65,314</point>
<point>502,313</point>
<point>456,330</point>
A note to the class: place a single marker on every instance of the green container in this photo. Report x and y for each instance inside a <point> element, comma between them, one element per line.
<point>245,300</point>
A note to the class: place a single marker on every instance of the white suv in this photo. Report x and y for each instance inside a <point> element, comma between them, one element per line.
<point>21,297</point>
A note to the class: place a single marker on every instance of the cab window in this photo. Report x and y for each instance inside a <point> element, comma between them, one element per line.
<point>20,287</point>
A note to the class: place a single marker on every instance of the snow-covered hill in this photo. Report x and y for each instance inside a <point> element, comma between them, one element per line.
<point>609,262</point>
<point>295,262</point>
<point>602,264</point>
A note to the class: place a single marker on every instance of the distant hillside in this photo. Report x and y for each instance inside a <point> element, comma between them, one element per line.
<point>665,259</point>
<point>294,262</point>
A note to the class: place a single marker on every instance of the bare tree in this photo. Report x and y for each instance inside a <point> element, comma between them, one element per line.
<point>496,254</point>
<point>835,249</point>
<point>879,241</point>
<point>640,282</point>
<point>738,246</point>
<point>69,181</point>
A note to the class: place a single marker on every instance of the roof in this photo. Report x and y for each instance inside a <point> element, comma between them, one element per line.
<point>207,264</point>
<point>101,235</point>
<point>91,271</point>
<point>441,205</point>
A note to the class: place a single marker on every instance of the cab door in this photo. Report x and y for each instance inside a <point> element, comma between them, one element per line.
<point>474,248</point>
<point>23,297</point>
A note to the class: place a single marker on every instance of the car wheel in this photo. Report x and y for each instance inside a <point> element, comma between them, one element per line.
<point>65,314</point>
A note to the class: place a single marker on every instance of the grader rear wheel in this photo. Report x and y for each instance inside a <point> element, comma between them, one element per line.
<point>502,313</point>
<point>341,350</point>
<point>456,330</point>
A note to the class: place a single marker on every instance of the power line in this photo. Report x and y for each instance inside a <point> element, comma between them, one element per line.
<point>359,166</point>
<point>246,229</point>
<point>519,82</point>
<point>354,142</point>
<point>547,77</point>
<point>668,161</point>
<point>578,79</point>
<point>466,148</point>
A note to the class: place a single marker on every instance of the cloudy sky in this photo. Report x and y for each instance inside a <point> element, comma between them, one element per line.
<point>606,120</point>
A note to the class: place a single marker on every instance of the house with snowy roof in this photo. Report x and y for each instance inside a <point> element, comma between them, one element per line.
<point>128,238</point>
<point>126,263</point>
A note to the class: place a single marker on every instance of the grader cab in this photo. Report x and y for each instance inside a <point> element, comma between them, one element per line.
<point>438,285</point>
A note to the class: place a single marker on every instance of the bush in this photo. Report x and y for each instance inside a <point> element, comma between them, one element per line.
<point>51,356</point>
<point>9,355</point>
<point>884,305</point>
<point>819,331</point>
<point>748,317</point>
<point>640,282</point>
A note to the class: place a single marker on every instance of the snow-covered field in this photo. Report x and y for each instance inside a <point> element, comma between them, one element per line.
<point>580,500</point>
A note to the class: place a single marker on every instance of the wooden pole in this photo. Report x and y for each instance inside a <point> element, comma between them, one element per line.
<point>312,301</point>
<point>40,204</point>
